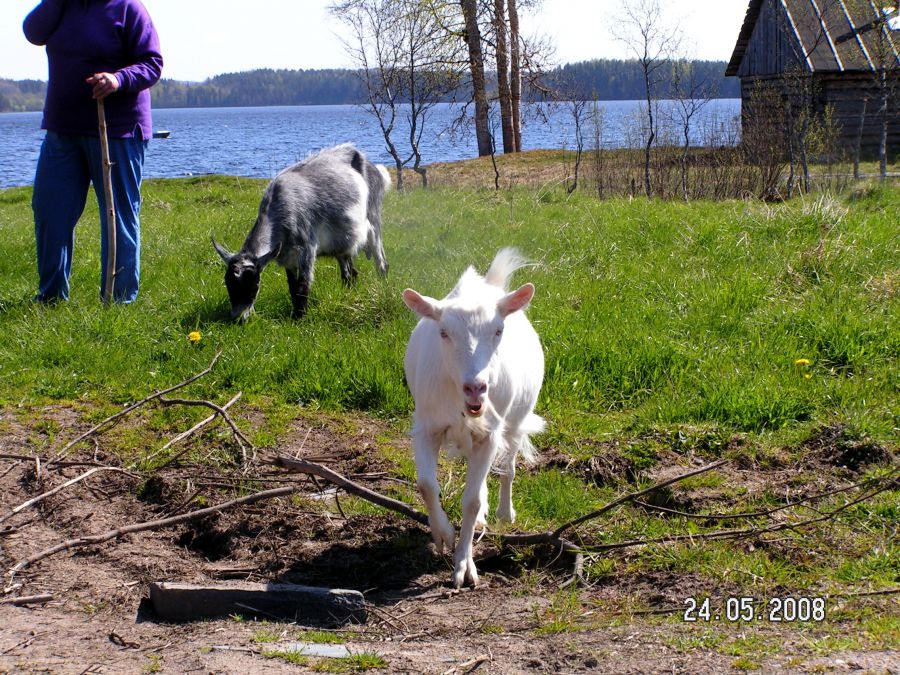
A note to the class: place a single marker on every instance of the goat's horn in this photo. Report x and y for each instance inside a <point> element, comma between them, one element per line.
<point>222,251</point>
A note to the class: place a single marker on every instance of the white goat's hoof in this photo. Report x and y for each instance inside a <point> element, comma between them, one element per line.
<point>442,533</point>
<point>506,516</point>
<point>463,571</point>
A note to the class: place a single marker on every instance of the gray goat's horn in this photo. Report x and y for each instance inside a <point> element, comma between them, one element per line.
<point>221,250</point>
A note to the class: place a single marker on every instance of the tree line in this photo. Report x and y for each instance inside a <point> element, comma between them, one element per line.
<point>603,79</point>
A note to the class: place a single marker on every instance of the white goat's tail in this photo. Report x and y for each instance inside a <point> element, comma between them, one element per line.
<point>507,261</point>
<point>533,424</point>
<point>385,177</point>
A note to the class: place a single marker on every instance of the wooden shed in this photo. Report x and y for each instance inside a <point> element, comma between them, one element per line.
<point>844,55</point>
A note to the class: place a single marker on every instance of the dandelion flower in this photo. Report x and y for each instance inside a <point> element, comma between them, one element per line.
<point>802,362</point>
<point>194,336</point>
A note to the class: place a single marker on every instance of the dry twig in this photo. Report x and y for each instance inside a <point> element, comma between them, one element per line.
<point>313,469</point>
<point>60,488</point>
<point>219,409</point>
<point>112,418</point>
<point>186,434</point>
<point>119,532</point>
<point>28,599</point>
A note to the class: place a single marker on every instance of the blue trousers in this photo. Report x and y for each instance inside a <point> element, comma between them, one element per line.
<point>67,166</point>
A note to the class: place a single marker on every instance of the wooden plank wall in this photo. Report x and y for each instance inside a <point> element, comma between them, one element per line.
<point>845,93</point>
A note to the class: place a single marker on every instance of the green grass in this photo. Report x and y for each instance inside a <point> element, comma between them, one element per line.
<point>651,314</point>
<point>355,663</point>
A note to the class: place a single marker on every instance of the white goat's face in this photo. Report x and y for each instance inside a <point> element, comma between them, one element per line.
<point>469,339</point>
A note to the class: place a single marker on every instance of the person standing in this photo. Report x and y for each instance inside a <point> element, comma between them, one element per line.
<point>96,49</point>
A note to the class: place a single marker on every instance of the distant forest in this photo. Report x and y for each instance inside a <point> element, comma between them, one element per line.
<point>603,79</point>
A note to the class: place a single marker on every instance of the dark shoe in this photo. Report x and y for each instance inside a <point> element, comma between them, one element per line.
<point>45,300</point>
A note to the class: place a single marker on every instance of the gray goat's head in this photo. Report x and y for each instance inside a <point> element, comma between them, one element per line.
<point>242,275</point>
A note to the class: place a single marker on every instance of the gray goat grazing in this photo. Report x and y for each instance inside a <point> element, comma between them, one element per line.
<point>328,204</point>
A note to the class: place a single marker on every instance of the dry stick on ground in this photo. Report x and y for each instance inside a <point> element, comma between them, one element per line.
<point>631,496</point>
<point>555,537</point>
<point>127,410</point>
<point>220,410</point>
<point>313,469</point>
<point>186,434</point>
<point>58,465</point>
<point>759,514</point>
<point>741,533</point>
<point>60,488</point>
<point>28,600</point>
<point>120,532</point>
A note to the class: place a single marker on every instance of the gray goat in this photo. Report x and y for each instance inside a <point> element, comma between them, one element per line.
<point>328,204</point>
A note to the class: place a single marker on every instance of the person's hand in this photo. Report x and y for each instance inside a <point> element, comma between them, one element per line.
<point>104,84</point>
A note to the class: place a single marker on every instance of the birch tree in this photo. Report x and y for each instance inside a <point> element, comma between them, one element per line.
<point>649,40</point>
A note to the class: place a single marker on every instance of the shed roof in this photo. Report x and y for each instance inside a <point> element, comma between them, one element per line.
<point>834,35</point>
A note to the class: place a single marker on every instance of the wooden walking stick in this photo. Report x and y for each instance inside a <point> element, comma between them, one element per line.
<point>110,207</point>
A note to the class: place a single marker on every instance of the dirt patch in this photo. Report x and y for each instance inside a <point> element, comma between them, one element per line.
<point>521,619</point>
<point>837,446</point>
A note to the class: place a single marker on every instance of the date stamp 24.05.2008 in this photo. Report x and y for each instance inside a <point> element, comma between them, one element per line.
<point>788,609</point>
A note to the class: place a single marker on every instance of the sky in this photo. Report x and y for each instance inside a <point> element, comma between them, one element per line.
<point>204,38</point>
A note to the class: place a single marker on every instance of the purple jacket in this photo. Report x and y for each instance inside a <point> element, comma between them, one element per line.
<point>84,37</point>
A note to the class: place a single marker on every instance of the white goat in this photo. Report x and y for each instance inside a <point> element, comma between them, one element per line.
<point>474,365</point>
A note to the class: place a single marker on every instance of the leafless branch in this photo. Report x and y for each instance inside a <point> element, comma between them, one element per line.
<point>186,434</point>
<point>119,532</point>
<point>41,497</point>
<point>219,409</point>
<point>313,469</point>
<point>125,411</point>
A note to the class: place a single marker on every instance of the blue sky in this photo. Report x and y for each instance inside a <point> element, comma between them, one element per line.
<point>202,38</point>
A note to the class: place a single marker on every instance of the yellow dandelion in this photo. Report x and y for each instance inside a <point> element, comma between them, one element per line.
<point>802,362</point>
<point>194,336</point>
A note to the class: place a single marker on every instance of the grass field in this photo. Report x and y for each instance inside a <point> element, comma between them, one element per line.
<point>673,333</point>
<point>651,314</point>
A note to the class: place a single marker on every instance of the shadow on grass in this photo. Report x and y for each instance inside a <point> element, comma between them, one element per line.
<point>204,314</point>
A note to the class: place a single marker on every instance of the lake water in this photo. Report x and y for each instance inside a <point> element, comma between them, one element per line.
<point>259,142</point>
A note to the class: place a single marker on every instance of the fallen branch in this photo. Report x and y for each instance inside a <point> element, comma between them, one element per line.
<point>760,514</point>
<point>631,496</point>
<point>60,488</point>
<point>127,410</point>
<point>62,464</point>
<point>28,600</point>
<point>313,469</point>
<point>554,538</point>
<point>187,434</point>
<point>219,409</point>
<point>120,532</point>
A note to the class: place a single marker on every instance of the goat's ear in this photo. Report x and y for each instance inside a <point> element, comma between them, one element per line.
<point>422,305</point>
<point>518,299</point>
<point>266,258</point>
<point>222,251</point>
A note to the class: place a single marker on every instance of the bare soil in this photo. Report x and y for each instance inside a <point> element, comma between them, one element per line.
<point>519,620</point>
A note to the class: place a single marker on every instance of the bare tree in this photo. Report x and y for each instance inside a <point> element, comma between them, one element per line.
<point>515,74</point>
<point>642,30</point>
<point>408,64</point>
<point>691,93</point>
<point>517,59</point>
